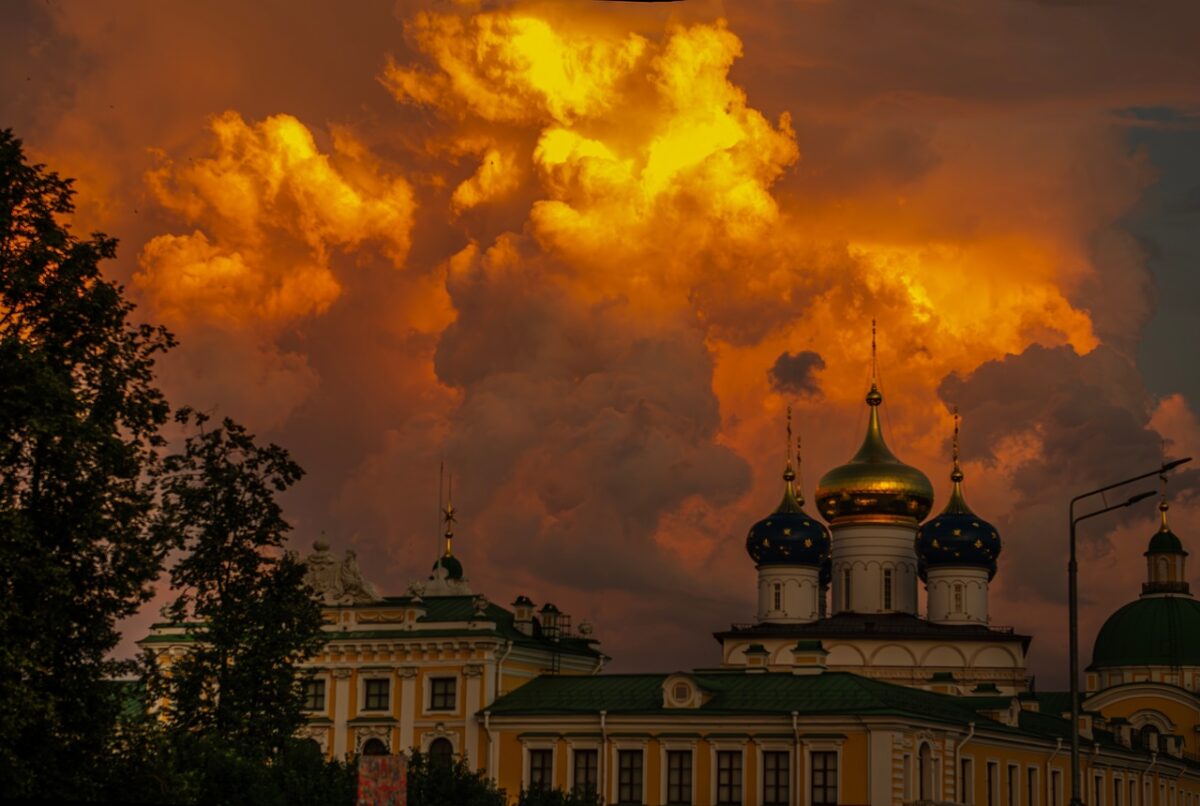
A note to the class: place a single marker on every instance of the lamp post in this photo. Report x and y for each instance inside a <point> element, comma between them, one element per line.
<point>1073,604</point>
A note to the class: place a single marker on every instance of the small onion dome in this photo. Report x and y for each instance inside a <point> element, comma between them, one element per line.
<point>1164,540</point>
<point>874,484</point>
<point>454,569</point>
<point>957,537</point>
<point>789,535</point>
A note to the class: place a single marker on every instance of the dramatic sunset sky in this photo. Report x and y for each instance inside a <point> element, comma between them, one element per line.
<point>588,252</point>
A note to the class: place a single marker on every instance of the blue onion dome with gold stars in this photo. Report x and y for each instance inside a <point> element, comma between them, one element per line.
<point>789,535</point>
<point>957,537</point>
<point>874,485</point>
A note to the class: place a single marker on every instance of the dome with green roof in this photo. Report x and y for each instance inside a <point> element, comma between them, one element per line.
<point>1162,627</point>
<point>1151,631</point>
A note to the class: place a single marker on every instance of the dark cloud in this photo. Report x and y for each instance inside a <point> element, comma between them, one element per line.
<point>796,372</point>
<point>1059,424</point>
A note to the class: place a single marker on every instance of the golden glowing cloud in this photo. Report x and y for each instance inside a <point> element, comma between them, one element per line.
<point>269,209</point>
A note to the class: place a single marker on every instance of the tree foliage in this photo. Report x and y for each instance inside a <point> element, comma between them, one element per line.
<point>244,602</point>
<point>79,423</point>
<point>449,783</point>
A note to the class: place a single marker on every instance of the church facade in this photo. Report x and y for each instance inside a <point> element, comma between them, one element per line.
<point>841,691</point>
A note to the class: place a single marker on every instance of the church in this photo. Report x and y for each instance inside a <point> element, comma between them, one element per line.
<point>841,692</point>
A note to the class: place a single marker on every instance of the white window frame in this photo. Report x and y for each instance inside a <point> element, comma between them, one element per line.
<point>614,769</point>
<point>1033,786</point>
<point>427,692</point>
<point>725,746</point>
<point>965,788</point>
<point>676,746</point>
<point>539,743</point>
<point>363,677</point>
<point>770,746</point>
<point>810,746</point>
<point>574,746</point>
<point>1014,797</point>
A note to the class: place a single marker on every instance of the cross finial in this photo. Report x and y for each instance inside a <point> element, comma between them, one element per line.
<point>788,473</point>
<point>874,360</point>
<point>956,475</point>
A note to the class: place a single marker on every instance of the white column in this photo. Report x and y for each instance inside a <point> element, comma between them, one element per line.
<point>867,551</point>
<point>341,709</point>
<point>957,595</point>
<point>408,706</point>
<point>472,703</point>
<point>799,594</point>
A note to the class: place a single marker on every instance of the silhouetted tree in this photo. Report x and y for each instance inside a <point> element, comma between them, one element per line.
<point>252,619</point>
<point>79,421</point>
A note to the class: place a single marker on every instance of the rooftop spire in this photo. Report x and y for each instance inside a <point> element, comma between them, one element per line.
<point>1163,506</point>
<point>958,502</point>
<point>448,516</point>
<point>792,500</point>
<point>874,398</point>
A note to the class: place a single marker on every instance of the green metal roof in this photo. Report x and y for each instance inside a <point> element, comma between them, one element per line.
<point>1151,631</point>
<point>1165,542</point>
<point>734,692</point>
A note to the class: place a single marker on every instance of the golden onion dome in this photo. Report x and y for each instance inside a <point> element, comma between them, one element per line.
<point>874,485</point>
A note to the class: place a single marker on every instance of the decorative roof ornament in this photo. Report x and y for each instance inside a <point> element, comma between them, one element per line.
<point>957,537</point>
<point>1164,541</point>
<point>874,485</point>
<point>789,535</point>
<point>336,582</point>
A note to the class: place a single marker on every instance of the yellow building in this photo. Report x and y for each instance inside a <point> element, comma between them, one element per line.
<point>412,671</point>
<point>842,692</point>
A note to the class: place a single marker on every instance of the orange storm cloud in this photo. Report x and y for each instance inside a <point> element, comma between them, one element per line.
<point>574,248</point>
<point>269,210</point>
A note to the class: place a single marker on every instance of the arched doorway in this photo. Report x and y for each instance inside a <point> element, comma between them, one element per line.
<point>374,747</point>
<point>925,773</point>
<point>441,752</point>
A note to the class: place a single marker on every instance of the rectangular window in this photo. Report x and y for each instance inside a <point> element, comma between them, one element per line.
<point>1055,787</point>
<point>778,596</point>
<point>958,598</point>
<point>887,589</point>
<point>541,769</point>
<point>1116,793</point>
<point>1032,790</point>
<point>314,695</point>
<point>993,783</point>
<point>679,777</point>
<point>776,775</point>
<point>824,778</point>
<point>846,589</point>
<point>442,692</point>
<point>586,779</point>
<point>729,777</point>
<point>377,695</point>
<point>1014,785</point>
<point>629,776</point>
<point>966,780</point>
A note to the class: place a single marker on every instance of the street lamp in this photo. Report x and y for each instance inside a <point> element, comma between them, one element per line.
<point>1073,603</point>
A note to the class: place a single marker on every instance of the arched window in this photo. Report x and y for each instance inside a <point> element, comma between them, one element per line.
<point>374,747</point>
<point>925,772</point>
<point>958,597</point>
<point>441,751</point>
<point>778,595</point>
<point>887,589</point>
<point>1149,737</point>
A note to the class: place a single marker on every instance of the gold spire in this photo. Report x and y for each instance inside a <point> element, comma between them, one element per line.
<point>958,502</point>
<point>448,517</point>
<point>874,397</point>
<point>792,500</point>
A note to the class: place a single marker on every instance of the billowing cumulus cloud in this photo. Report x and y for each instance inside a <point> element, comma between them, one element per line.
<point>271,209</point>
<point>586,254</point>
